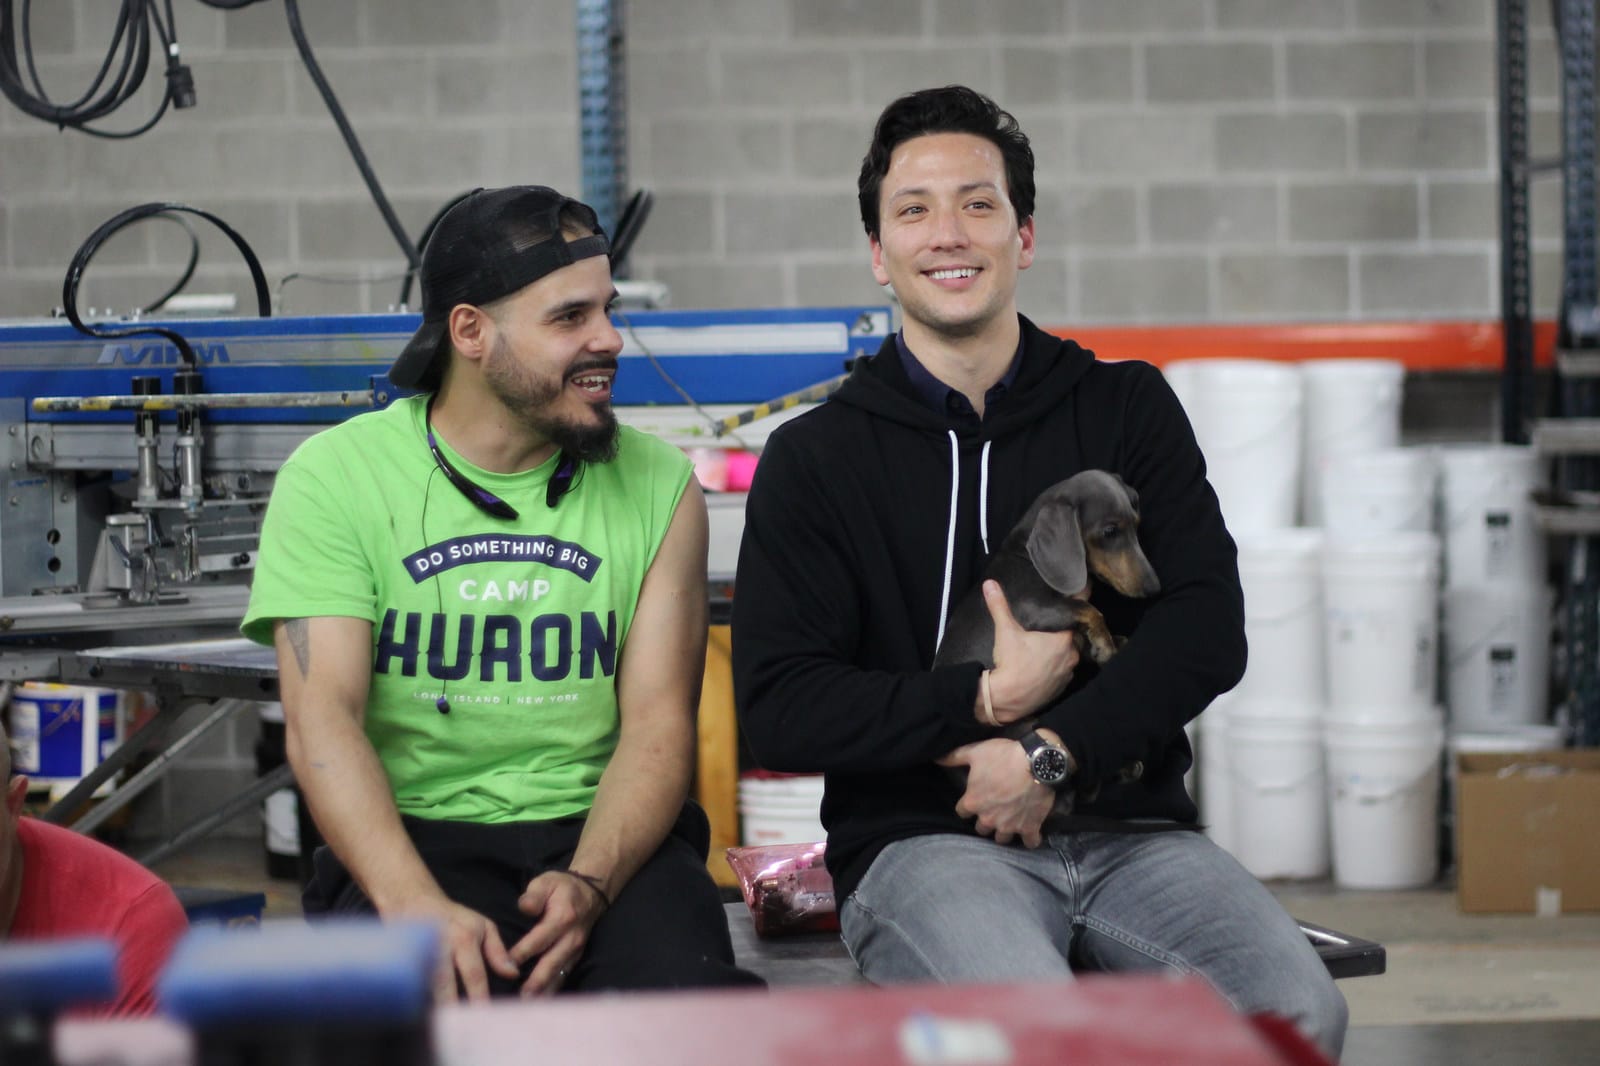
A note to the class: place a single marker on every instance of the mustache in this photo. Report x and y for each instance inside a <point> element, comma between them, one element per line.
<point>599,362</point>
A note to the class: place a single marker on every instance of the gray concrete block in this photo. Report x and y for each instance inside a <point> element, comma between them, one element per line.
<point>228,88</point>
<point>31,294</point>
<point>1042,291</point>
<point>1424,140</point>
<point>1291,15</point>
<point>1351,70</point>
<point>425,24</point>
<point>768,77</point>
<point>351,229</point>
<point>1196,73</point>
<point>1143,144</point>
<point>537,150</point>
<point>1462,70</point>
<point>1154,288</point>
<point>857,19</point>
<point>544,83</point>
<point>1354,211</point>
<point>893,70</point>
<point>1426,283</point>
<point>830,148</point>
<point>413,157</point>
<point>837,281</point>
<point>39,162</point>
<point>687,150</point>
<point>1051,135</point>
<point>1544,132</point>
<point>1094,73</point>
<point>1425,14</point>
<point>47,235</point>
<point>1141,17</point>
<point>723,282</point>
<point>1463,210</point>
<point>1015,18</point>
<point>1080,215</point>
<point>671,77</point>
<point>341,290</point>
<point>756,223</point>
<point>1547,281</point>
<point>1278,285</point>
<point>285,160</point>
<point>1209,213</point>
<point>1303,141</point>
<point>54,31</point>
<point>1545,207</point>
<point>263,222</point>
<point>680,223</point>
<point>692,20</point>
<point>366,86</point>
<point>329,25</point>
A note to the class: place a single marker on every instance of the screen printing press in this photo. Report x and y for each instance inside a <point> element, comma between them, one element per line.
<point>135,480</point>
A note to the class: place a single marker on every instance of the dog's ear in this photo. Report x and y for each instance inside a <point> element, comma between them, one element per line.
<point>1055,547</point>
<point>1132,493</point>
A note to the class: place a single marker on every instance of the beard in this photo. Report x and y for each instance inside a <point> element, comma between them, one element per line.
<point>531,398</point>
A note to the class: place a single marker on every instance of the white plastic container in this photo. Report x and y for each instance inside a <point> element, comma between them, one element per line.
<point>1497,655</point>
<point>1351,406</point>
<point>781,810</point>
<point>1216,787</point>
<point>59,733</point>
<point>1486,514</point>
<point>1246,415</point>
<point>1279,800</point>
<point>1381,620</point>
<point>1281,573</point>
<point>1383,789</point>
<point>1370,494</point>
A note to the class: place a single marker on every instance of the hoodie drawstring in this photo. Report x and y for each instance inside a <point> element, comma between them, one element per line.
<point>950,536</point>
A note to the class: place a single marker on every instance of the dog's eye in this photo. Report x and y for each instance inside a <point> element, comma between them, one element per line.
<point>1110,531</point>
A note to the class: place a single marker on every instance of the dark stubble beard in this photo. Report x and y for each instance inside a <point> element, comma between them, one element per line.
<point>530,398</point>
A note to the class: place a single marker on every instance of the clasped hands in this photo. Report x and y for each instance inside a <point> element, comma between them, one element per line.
<point>1031,668</point>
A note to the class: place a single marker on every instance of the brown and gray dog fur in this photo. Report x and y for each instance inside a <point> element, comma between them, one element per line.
<point>1086,525</point>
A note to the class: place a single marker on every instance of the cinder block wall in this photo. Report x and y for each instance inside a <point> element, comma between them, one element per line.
<point>1200,160</point>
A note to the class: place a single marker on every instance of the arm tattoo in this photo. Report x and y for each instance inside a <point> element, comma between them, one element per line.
<point>299,632</point>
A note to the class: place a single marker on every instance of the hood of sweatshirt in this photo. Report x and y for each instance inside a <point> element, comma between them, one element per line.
<point>1051,368</point>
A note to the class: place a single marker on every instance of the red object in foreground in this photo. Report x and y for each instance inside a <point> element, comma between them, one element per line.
<point>1125,1020</point>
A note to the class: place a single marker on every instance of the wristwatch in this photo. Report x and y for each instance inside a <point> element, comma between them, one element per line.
<point>1050,763</point>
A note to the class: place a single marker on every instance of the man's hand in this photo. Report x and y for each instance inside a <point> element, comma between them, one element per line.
<point>1001,792</point>
<point>566,908</point>
<point>469,940</point>
<point>1031,668</point>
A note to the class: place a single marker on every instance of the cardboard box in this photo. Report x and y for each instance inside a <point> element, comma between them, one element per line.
<point>1528,831</point>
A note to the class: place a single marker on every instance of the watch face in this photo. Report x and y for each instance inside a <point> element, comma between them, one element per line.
<point>1049,765</point>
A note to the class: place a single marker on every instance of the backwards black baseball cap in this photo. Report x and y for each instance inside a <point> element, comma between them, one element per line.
<point>490,244</point>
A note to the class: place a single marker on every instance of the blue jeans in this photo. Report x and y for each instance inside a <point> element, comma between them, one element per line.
<point>962,909</point>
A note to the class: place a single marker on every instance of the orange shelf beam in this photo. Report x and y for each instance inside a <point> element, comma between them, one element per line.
<point>1419,345</point>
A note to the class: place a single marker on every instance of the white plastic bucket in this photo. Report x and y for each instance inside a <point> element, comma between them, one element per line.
<point>1246,415</point>
<point>1383,789</point>
<point>1216,790</point>
<point>1351,406</point>
<point>59,733</point>
<point>1368,494</point>
<point>1282,578</point>
<point>1280,810</point>
<point>1497,655</point>
<point>1486,515</point>
<point>1381,620</point>
<point>781,809</point>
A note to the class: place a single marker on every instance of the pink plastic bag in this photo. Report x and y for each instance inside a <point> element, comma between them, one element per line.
<point>786,887</point>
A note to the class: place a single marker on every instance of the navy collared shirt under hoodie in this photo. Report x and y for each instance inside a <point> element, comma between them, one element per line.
<point>941,397</point>
<point>864,524</point>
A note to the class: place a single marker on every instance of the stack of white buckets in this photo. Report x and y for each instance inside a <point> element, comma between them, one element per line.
<point>1327,754</point>
<point>780,808</point>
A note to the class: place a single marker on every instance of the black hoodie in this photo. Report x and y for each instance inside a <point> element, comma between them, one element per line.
<point>856,508</point>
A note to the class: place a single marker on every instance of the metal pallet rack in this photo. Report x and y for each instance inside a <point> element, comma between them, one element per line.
<point>1570,436</point>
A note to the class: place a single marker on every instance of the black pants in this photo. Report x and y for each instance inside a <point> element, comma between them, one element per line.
<point>665,929</point>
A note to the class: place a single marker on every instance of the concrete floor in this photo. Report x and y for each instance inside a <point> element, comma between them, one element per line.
<point>1461,990</point>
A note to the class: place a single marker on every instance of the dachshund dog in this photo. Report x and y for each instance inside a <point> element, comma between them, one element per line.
<point>1087,524</point>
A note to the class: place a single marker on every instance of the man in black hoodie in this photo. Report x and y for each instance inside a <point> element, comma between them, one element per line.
<point>870,516</point>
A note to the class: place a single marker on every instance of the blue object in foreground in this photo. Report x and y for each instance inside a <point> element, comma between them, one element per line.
<point>43,976</point>
<point>360,971</point>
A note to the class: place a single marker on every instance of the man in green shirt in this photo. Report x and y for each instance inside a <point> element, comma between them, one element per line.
<point>489,606</point>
